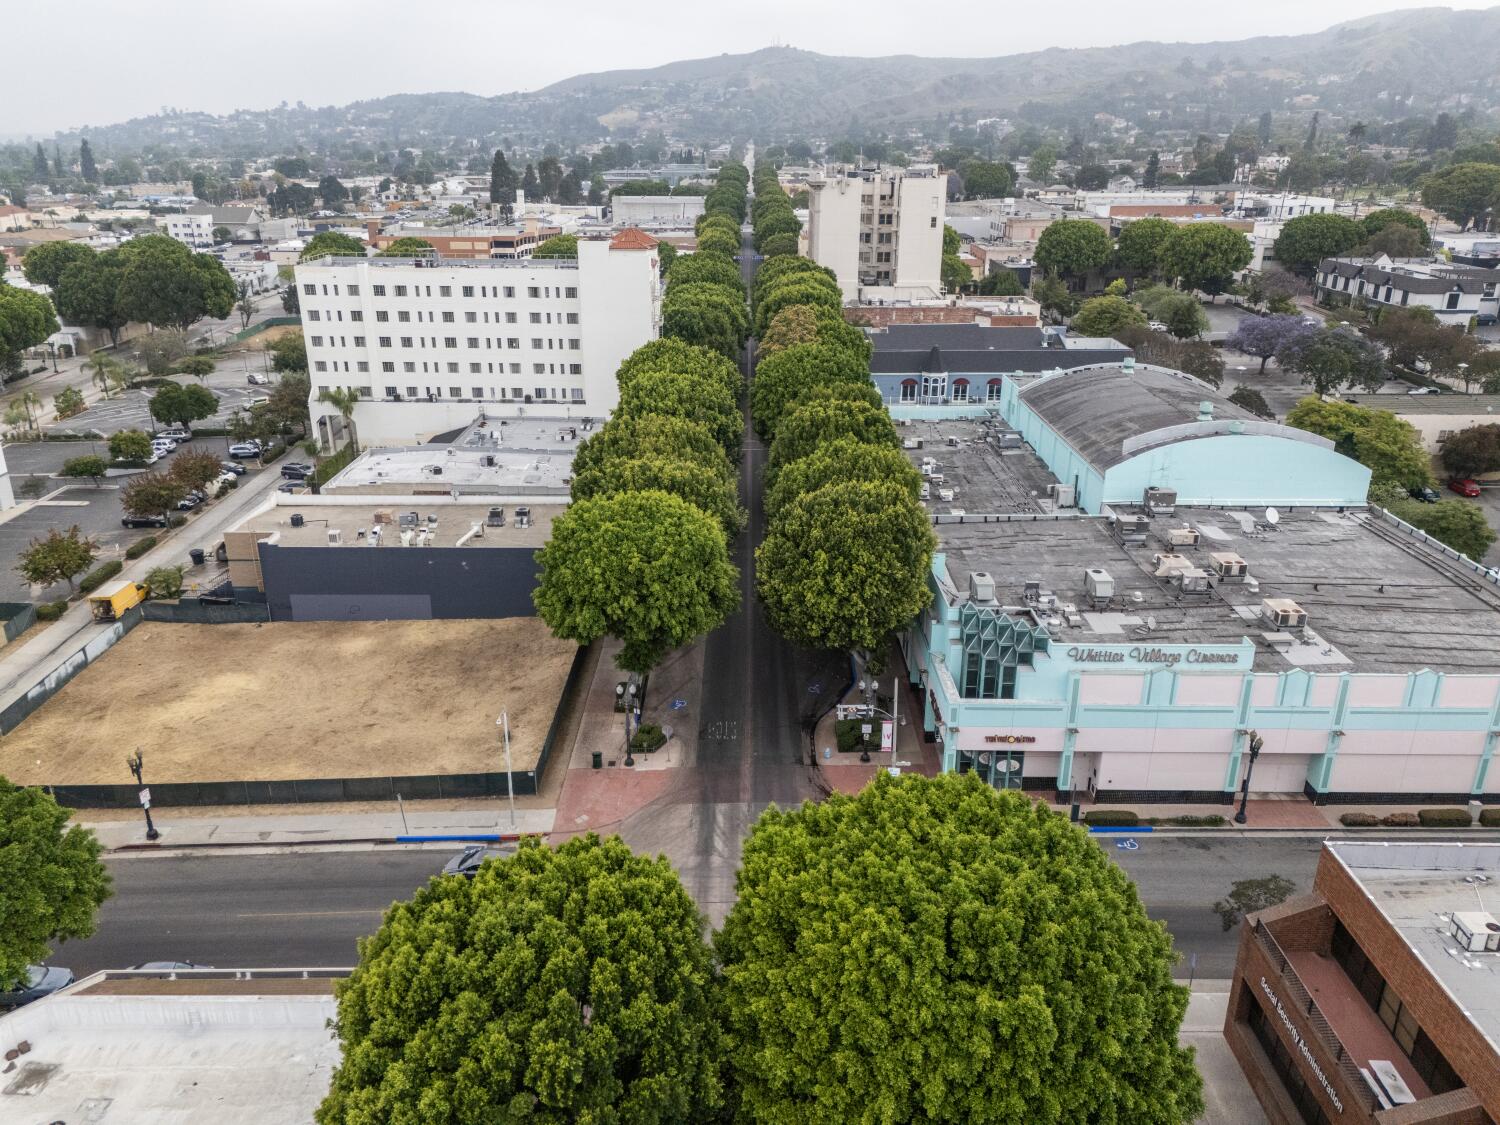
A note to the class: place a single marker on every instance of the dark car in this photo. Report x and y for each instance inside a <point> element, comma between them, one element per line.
<point>296,485</point>
<point>233,467</point>
<point>39,981</point>
<point>1426,495</point>
<point>297,470</point>
<point>466,862</point>
<point>144,521</point>
<point>190,501</point>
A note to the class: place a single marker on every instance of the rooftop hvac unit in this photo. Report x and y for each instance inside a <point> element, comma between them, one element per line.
<point>335,537</point>
<point>408,519</point>
<point>496,517</point>
<point>1168,563</point>
<point>488,460</point>
<point>926,491</point>
<point>1161,501</point>
<point>1132,530</point>
<point>1192,579</point>
<point>953,441</point>
<point>1009,439</point>
<point>523,517</point>
<point>1099,583</point>
<point>937,478</point>
<point>945,495</point>
<point>911,443</point>
<point>1063,495</point>
<point>1182,537</point>
<point>1475,931</point>
<point>981,586</point>
<point>1226,564</point>
<point>297,520</point>
<point>929,466</point>
<point>1283,613</point>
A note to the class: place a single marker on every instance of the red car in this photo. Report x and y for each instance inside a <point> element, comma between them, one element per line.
<point>1463,486</point>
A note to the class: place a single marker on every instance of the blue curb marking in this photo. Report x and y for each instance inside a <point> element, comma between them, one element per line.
<point>1120,830</point>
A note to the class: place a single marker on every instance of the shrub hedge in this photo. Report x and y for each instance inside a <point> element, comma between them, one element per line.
<point>1444,818</point>
<point>140,547</point>
<point>1112,818</point>
<point>647,737</point>
<point>1399,820</point>
<point>1359,820</point>
<point>99,575</point>
<point>51,611</point>
<point>1489,818</point>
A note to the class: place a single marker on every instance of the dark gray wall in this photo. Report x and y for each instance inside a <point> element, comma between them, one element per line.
<point>397,583</point>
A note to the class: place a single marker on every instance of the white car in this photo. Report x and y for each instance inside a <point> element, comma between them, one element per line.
<point>1157,326</point>
<point>163,446</point>
<point>175,433</point>
<point>258,379</point>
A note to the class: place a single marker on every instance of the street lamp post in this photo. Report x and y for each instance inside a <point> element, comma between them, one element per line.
<point>630,705</point>
<point>135,762</point>
<point>1256,742</point>
<point>868,687</point>
<point>503,722</point>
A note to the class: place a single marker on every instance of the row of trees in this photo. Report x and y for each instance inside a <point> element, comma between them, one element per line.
<point>847,551</point>
<point>151,279</point>
<point>1193,256</point>
<point>575,984</point>
<point>705,298</point>
<point>775,224</point>
<point>1308,239</point>
<point>642,552</point>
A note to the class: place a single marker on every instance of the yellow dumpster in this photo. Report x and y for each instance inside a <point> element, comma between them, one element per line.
<point>108,602</point>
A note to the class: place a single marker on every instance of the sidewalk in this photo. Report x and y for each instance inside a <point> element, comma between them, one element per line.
<point>598,800</point>
<point>229,830</point>
<point>1227,1097</point>
<point>844,772</point>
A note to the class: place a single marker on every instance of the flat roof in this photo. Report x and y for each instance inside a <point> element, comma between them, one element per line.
<point>143,1047</point>
<point>491,456</point>
<point>989,470</point>
<point>1097,408</point>
<point>907,348</point>
<point>1418,886</point>
<point>1446,403</point>
<point>355,517</point>
<point>1375,600</point>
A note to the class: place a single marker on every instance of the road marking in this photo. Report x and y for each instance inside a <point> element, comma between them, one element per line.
<point>310,914</point>
<point>62,503</point>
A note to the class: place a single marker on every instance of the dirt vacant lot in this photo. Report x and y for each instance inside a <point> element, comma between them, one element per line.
<point>298,700</point>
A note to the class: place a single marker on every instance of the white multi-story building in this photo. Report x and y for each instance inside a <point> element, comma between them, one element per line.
<point>1456,295</point>
<point>431,344</point>
<point>196,231</point>
<point>879,229</point>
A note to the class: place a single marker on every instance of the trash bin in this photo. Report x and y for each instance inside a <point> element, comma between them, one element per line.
<point>196,554</point>
<point>598,759</point>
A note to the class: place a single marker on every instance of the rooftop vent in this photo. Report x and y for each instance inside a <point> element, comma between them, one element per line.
<point>1127,364</point>
<point>1205,411</point>
<point>1475,931</point>
<point>1099,583</point>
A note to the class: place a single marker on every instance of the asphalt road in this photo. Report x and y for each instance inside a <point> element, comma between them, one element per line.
<point>307,908</point>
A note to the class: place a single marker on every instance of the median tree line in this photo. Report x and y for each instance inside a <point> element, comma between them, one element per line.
<point>575,984</point>
<point>704,303</point>
<point>642,552</point>
<point>772,219</point>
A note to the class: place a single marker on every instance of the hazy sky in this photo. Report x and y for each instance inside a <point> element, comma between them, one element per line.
<point>104,61</point>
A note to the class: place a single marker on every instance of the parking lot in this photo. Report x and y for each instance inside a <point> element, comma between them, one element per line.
<point>130,410</point>
<point>96,511</point>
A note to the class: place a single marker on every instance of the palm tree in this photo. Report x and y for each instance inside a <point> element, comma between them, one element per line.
<point>102,370</point>
<point>31,402</point>
<point>343,399</point>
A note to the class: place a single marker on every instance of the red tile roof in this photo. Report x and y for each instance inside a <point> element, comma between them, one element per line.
<point>632,238</point>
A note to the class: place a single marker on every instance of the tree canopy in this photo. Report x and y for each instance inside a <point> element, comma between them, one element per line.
<point>408,247</point>
<point>843,459</point>
<point>332,242</point>
<point>1138,249</point>
<point>1308,239</point>
<point>1459,524</point>
<point>1388,446</point>
<point>51,878</point>
<point>1205,256</point>
<point>175,403</point>
<point>558,246</point>
<point>60,556</point>
<point>671,354</point>
<point>1472,452</point>
<point>558,986</point>
<point>684,395</point>
<point>1072,247</point>
<point>1104,316</point>
<point>646,567</point>
<point>845,566</point>
<point>1265,336</point>
<point>1332,358</point>
<point>685,477</point>
<point>909,954</point>
<point>1463,192</point>
<point>166,284</point>
<point>786,373</point>
<point>802,430</point>
<point>26,320</point>
<point>647,435</point>
<point>44,264</point>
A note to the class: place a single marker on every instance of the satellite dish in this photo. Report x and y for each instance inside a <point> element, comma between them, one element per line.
<point>1273,517</point>
<point>1151,623</point>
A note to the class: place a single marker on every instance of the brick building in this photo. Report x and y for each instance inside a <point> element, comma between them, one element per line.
<point>1376,998</point>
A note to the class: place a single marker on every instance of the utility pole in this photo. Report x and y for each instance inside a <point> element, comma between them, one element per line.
<point>503,722</point>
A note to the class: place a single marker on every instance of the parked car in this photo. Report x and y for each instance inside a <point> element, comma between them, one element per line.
<point>175,433</point>
<point>1463,486</point>
<point>245,449</point>
<point>258,379</point>
<point>190,501</point>
<point>232,467</point>
<point>168,966</point>
<point>1157,326</point>
<point>163,446</point>
<point>39,981</point>
<point>1425,494</point>
<point>297,470</point>
<point>466,862</point>
<point>292,485</point>
<point>144,521</point>
<point>153,457</point>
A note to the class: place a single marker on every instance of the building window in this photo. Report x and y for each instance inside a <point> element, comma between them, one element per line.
<point>539,369</point>
<point>359,341</point>
<point>445,290</point>
<point>572,318</point>
<point>570,292</point>
<point>532,291</point>
<point>473,341</point>
<point>510,290</point>
<point>960,390</point>
<point>387,366</point>
<point>576,369</point>
<point>353,290</point>
<point>473,317</point>
<point>574,344</point>
<point>447,318</point>
<point>512,342</point>
<point>992,392</point>
<point>404,317</point>
<point>411,392</point>
<point>934,387</point>
<point>384,341</point>
<point>536,318</point>
<point>390,392</point>
<point>455,392</point>
<point>453,370</point>
<point>400,290</point>
<point>355,314</point>
<point>406,341</point>
<point>577,394</point>
<point>932,222</point>
<point>361,366</point>
<point>315,341</point>
<point>313,314</point>
<point>515,369</point>
<point>1452,301</point>
<point>410,368</point>
<point>467,291</point>
<point>450,341</point>
<point>320,366</point>
<point>310,290</point>
<point>908,390</point>
<point>510,318</point>
<point>382,317</point>
<point>536,341</point>
<point>378,290</point>
<point>542,392</point>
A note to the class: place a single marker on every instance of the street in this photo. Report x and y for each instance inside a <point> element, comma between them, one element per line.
<point>307,908</point>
